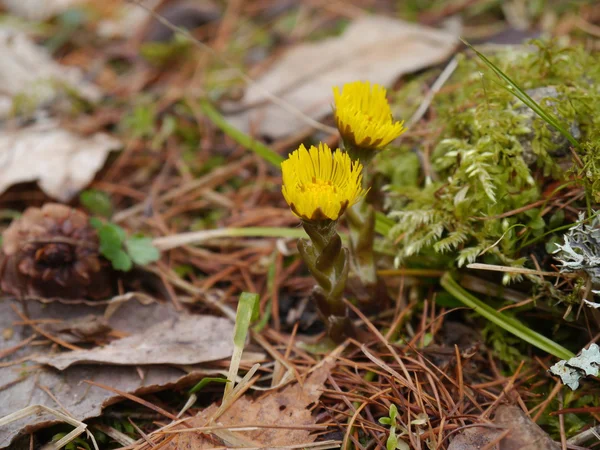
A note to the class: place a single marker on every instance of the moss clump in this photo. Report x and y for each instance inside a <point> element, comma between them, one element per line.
<point>491,157</point>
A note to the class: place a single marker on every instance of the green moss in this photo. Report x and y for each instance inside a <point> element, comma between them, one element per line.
<point>492,156</point>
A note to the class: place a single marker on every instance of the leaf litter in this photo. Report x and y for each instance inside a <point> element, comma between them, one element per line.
<point>278,419</point>
<point>202,339</point>
<point>375,48</point>
<point>154,188</point>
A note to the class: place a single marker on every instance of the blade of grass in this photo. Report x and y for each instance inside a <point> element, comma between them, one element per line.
<point>509,324</point>
<point>238,136</point>
<point>243,318</point>
<point>525,98</point>
<point>205,381</point>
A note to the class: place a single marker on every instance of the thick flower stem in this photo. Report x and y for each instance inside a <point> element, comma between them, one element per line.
<point>361,222</point>
<point>327,261</point>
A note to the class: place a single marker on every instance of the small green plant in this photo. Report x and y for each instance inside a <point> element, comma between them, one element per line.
<point>75,444</point>
<point>122,250</point>
<point>393,442</point>
<point>97,202</point>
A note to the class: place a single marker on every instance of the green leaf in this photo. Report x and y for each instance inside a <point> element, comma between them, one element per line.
<point>392,440</point>
<point>96,223</point>
<point>110,240</point>
<point>97,202</point>
<point>121,261</point>
<point>243,318</point>
<point>141,250</point>
<point>206,381</point>
<point>507,323</point>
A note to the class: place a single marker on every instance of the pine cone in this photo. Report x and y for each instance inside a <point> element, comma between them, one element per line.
<point>54,252</point>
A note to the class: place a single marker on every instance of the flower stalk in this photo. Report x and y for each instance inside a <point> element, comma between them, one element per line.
<point>320,185</point>
<point>327,261</point>
<point>364,120</point>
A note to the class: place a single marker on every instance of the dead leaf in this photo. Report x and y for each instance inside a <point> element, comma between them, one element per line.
<point>374,48</point>
<point>288,407</point>
<point>523,433</point>
<point>475,438</point>
<point>180,341</point>
<point>27,69</point>
<point>38,9</point>
<point>62,162</point>
<point>20,385</point>
<point>127,19</point>
<point>81,400</point>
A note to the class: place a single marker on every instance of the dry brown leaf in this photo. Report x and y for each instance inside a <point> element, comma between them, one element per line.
<point>38,9</point>
<point>524,434</point>
<point>20,385</point>
<point>181,341</point>
<point>26,68</point>
<point>374,48</point>
<point>61,161</point>
<point>287,407</point>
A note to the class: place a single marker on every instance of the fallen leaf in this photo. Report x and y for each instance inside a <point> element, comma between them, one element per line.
<point>127,19</point>
<point>374,48</point>
<point>61,161</point>
<point>38,9</point>
<point>27,69</point>
<point>21,388</point>
<point>181,341</point>
<point>20,384</point>
<point>475,438</point>
<point>287,407</point>
<point>523,433</point>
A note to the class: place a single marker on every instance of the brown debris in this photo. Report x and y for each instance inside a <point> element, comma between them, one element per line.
<point>283,418</point>
<point>53,252</point>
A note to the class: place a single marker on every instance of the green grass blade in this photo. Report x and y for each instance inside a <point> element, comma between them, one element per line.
<point>206,381</point>
<point>509,324</point>
<point>525,98</point>
<point>243,318</point>
<point>238,136</point>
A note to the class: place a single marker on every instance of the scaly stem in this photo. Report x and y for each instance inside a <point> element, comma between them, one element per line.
<point>327,261</point>
<point>361,223</point>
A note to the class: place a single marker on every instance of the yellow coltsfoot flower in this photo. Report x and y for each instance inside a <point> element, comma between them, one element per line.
<point>319,184</point>
<point>363,116</point>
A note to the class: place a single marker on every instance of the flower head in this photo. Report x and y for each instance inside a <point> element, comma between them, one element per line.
<point>363,116</point>
<point>319,184</point>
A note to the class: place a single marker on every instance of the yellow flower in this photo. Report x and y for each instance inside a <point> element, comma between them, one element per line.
<point>363,116</point>
<point>319,184</point>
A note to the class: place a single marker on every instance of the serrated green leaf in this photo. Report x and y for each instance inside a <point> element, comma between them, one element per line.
<point>141,250</point>
<point>97,202</point>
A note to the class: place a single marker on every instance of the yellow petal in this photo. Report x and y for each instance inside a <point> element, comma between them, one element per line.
<point>363,115</point>
<point>320,184</point>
